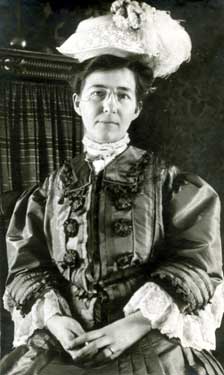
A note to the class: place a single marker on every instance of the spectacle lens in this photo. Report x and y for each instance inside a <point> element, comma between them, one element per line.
<point>99,95</point>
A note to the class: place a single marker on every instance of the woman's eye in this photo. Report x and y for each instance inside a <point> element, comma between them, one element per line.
<point>98,94</point>
<point>123,96</point>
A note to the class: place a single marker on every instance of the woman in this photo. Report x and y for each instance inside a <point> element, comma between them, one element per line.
<point>117,256</point>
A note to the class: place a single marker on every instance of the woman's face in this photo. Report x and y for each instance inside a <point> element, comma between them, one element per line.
<point>107,104</point>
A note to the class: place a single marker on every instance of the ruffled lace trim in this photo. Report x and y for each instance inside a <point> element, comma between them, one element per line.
<point>101,154</point>
<point>43,309</point>
<point>195,331</point>
<point>96,149</point>
<point>8,302</point>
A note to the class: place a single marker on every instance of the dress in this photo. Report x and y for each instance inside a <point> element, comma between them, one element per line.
<point>96,240</point>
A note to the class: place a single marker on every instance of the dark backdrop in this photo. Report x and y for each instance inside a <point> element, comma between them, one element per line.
<point>184,119</point>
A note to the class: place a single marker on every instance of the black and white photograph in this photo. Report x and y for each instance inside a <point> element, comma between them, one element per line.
<point>112,187</point>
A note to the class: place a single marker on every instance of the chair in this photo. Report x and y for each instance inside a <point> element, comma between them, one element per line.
<point>7,203</point>
<point>219,352</point>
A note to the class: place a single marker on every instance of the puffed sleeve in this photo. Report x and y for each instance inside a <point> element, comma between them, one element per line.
<point>190,266</point>
<point>31,271</point>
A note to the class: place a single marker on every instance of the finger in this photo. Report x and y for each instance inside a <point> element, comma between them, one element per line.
<point>116,354</point>
<point>86,352</point>
<point>92,347</point>
<point>111,354</point>
<point>107,353</point>
<point>88,337</point>
<point>103,342</point>
<point>67,344</point>
<point>67,339</point>
<point>94,335</point>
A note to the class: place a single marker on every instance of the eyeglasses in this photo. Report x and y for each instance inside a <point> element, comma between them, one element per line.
<point>102,94</point>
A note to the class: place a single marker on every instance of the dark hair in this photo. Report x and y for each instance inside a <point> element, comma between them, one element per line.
<point>142,72</point>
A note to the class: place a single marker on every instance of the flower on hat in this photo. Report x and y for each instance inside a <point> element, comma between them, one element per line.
<point>127,14</point>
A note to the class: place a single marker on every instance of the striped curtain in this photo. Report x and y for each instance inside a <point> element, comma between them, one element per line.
<point>38,131</point>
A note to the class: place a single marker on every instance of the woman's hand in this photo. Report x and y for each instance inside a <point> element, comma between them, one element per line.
<point>66,330</point>
<point>107,343</point>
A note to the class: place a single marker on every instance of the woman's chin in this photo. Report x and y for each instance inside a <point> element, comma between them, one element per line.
<point>107,138</point>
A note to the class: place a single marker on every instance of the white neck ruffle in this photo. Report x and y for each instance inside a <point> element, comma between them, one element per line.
<point>102,154</point>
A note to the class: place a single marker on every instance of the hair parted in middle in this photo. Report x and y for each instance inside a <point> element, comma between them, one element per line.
<point>142,72</point>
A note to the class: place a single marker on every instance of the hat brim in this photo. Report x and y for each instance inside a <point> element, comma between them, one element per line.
<point>87,54</point>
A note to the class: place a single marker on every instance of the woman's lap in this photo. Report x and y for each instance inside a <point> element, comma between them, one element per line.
<point>155,354</point>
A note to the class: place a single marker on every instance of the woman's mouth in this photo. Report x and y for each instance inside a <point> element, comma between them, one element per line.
<point>107,123</point>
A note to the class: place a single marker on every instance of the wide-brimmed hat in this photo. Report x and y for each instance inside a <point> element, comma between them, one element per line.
<point>132,28</point>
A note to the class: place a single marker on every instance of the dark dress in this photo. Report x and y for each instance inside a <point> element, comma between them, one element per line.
<point>96,239</point>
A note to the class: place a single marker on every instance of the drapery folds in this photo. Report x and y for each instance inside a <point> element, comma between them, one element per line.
<point>38,130</point>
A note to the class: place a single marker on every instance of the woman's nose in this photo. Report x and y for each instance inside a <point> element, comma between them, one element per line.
<point>110,103</point>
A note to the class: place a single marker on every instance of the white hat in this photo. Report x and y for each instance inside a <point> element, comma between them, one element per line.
<point>132,28</point>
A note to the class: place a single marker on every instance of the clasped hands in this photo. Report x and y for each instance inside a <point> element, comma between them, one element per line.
<point>97,347</point>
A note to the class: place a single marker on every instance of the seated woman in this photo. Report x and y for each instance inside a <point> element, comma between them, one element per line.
<point>115,261</point>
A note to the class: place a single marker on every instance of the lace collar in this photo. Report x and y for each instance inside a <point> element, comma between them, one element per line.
<point>96,150</point>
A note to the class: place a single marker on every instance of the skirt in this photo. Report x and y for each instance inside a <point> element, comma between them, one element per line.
<point>154,354</point>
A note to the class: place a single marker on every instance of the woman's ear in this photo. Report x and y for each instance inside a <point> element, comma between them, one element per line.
<point>138,109</point>
<point>76,103</point>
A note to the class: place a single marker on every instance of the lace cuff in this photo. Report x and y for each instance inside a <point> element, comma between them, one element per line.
<point>43,309</point>
<point>195,331</point>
